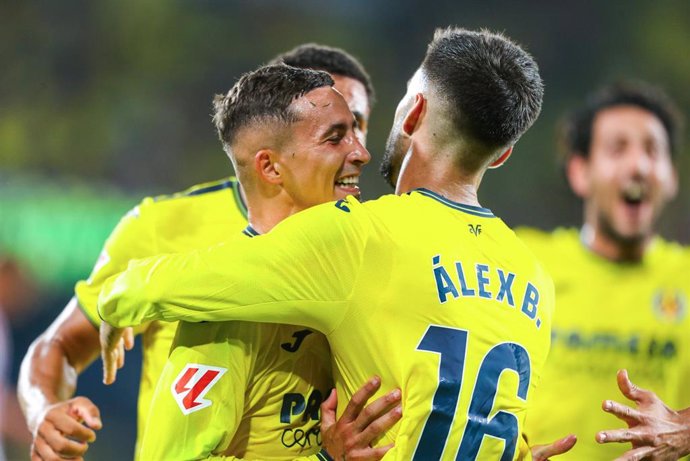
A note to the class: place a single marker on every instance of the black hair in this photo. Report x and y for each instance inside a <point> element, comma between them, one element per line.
<point>329,59</point>
<point>576,127</point>
<point>264,94</point>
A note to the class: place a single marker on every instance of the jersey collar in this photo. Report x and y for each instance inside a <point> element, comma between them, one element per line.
<point>469,209</point>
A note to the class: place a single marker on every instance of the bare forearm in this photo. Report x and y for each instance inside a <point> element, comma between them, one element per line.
<point>49,370</point>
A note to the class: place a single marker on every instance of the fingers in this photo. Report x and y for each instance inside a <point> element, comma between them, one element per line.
<point>544,452</point>
<point>379,426</point>
<point>377,408</point>
<point>328,411</point>
<point>85,410</point>
<point>630,390</point>
<point>109,358</point>
<point>50,442</point>
<point>359,399</point>
<point>631,416</point>
<point>128,336</point>
<point>621,435</point>
<point>112,352</point>
<point>377,453</point>
<point>636,454</point>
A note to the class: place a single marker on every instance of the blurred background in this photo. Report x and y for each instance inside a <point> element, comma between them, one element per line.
<point>103,102</point>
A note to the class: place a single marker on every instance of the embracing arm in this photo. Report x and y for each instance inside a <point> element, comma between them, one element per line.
<point>47,381</point>
<point>302,272</point>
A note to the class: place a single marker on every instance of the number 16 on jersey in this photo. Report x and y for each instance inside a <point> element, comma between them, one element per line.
<point>451,345</point>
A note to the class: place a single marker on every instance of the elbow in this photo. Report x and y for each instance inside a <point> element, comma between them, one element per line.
<point>125,302</point>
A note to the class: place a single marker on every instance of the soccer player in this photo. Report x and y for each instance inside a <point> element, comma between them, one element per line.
<point>201,216</point>
<point>622,291</point>
<point>426,288</point>
<point>292,140</point>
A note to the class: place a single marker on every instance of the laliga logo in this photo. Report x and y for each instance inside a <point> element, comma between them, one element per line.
<point>193,382</point>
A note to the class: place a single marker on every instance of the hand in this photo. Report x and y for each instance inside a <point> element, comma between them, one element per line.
<point>65,430</point>
<point>351,436</point>
<point>114,342</point>
<point>655,431</point>
<point>544,452</point>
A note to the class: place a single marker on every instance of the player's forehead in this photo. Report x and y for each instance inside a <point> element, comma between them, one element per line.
<point>630,122</point>
<point>322,107</point>
<point>354,92</point>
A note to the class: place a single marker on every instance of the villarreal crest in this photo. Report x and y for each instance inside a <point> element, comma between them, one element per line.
<point>670,305</point>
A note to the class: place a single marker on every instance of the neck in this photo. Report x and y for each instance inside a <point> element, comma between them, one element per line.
<point>266,210</point>
<point>612,248</point>
<point>438,172</point>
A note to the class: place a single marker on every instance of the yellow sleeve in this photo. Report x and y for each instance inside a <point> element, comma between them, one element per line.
<point>131,239</point>
<point>303,272</point>
<point>199,399</point>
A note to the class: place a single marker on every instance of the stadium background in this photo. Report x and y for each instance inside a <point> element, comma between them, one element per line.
<point>104,102</point>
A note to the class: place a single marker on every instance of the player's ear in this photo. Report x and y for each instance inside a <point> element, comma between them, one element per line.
<point>414,115</point>
<point>502,159</point>
<point>577,171</point>
<point>267,166</point>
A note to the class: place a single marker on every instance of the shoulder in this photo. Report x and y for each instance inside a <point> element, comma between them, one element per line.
<point>194,202</point>
<point>194,194</point>
<point>669,253</point>
<point>543,242</point>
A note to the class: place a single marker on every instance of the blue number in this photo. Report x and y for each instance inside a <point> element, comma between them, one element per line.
<point>504,425</point>
<point>451,345</point>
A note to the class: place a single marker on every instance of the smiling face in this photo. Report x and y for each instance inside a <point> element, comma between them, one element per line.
<point>322,156</point>
<point>628,177</point>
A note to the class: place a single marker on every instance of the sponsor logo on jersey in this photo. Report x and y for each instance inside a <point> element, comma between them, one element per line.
<point>193,382</point>
<point>670,305</point>
<point>299,337</point>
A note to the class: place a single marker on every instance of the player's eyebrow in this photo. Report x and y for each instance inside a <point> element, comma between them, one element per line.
<point>335,128</point>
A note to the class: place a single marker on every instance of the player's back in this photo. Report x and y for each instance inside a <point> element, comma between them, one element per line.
<point>439,299</point>
<point>452,308</point>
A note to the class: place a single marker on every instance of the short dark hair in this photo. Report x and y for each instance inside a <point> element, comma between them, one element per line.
<point>329,59</point>
<point>492,86</point>
<point>576,127</point>
<point>262,95</point>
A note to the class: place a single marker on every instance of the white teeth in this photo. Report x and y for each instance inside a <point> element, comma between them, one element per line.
<point>348,181</point>
<point>634,191</point>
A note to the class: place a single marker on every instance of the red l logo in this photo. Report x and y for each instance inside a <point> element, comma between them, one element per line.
<point>193,382</point>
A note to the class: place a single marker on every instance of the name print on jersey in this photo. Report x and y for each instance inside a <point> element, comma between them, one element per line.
<point>193,382</point>
<point>477,284</point>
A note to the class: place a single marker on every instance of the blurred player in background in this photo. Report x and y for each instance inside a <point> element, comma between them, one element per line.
<point>427,288</point>
<point>201,216</point>
<point>622,291</point>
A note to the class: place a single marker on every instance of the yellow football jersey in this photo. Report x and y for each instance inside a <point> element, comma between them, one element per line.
<point>249,390</point>
<point>196,218</point>
<point>609,316</point>
<point>438,298</point>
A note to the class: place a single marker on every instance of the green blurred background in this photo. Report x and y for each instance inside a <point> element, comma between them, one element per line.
<point>102,102</point>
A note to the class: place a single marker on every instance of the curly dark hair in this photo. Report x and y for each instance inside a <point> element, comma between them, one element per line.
<point>576,128</point>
